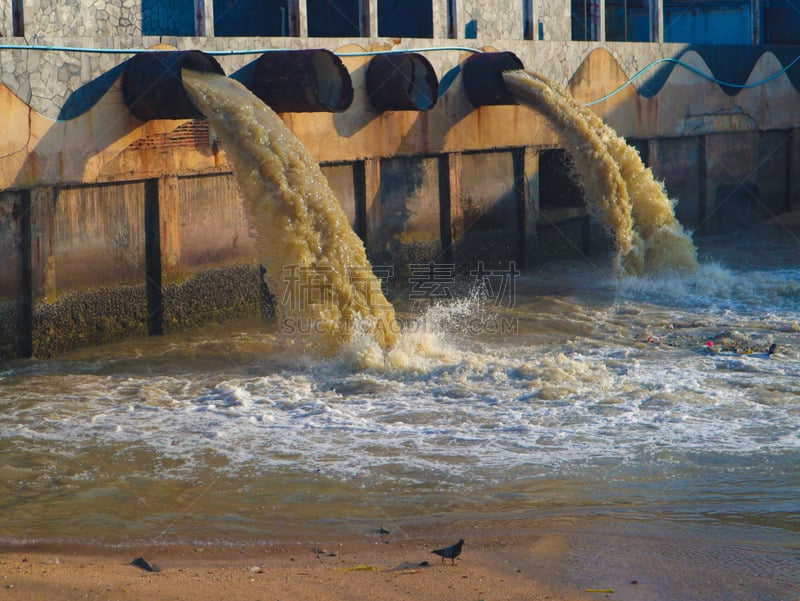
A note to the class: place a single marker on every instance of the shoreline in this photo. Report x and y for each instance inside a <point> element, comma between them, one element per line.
<point>515,568</point>
<point>547,558</point>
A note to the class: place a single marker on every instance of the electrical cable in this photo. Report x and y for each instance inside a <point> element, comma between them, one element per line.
<point>226,52</point>
<point>696,71</point>
<point>612,93</point>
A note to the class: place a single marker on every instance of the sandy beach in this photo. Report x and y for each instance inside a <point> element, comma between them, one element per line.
<point>380,571</point>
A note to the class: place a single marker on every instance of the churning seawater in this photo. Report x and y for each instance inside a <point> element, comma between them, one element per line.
<point>587,393</point>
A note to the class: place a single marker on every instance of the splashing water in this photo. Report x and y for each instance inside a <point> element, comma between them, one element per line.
<point>316,266</point>
<point>620,188</point>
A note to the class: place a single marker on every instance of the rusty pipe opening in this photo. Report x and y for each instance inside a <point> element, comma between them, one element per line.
<point>152,85</point>
<point>301,81</point>
<point>482,77</point>
<point>402,82</point>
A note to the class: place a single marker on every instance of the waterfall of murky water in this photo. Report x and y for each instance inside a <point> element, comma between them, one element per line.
<point>316,266</point>
<point>620,189</point>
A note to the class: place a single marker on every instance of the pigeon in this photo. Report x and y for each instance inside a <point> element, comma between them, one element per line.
<point>450,552</point>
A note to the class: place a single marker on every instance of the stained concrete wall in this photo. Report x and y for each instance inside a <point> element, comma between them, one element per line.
<point>14,320</point>
<point>488,213</point>
<point>153,205</point>
<point>403,216</point>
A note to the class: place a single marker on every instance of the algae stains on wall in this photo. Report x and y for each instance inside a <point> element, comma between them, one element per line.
<point>492,214</point>
<point>680,164</point>
<point>98,236</point>
<point>12,208</point>
<point>345,184</point>
<point>79,319</point>
<point>14,326</point>
<point>731,192</point>
<point>404,222</point>
<point>212,228</point>
<point>774,168</point>
<point>210,295</point>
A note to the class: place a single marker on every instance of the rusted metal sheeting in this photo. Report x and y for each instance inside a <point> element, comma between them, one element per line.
<point>482,77</point>
<point>302,81</point>
<point>153,88</point>
<point>402,82</point>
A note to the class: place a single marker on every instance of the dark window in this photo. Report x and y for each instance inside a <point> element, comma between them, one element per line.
<point>253,18</point>
<point>334,18</point>
<point>452,23</point>
<point>781,22</point>
<point>168,17</point>
<point>527,19</point>
<point>17,20</point>
<point>708,22</point>
<point>585,19</point>
<point>405,18</point>
<point>627,21</point>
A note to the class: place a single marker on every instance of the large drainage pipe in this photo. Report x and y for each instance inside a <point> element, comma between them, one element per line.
<point>152,85</point>
<point>402,82</point>
<point>301,81</point>
<point>482,77</point>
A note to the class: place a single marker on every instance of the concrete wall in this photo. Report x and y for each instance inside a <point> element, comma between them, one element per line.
<point>113,227</point>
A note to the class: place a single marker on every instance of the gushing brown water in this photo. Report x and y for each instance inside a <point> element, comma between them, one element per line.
<point>620,188</point>
<point>316,266</point>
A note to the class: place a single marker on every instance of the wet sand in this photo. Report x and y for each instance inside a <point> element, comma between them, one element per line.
<point>379,571</point>
<point>547,559</point>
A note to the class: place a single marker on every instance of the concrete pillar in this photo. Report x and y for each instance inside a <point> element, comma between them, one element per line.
<point>153,264</point>
<point>208,15</point>
<point>199,18</point>
<point>6,22</point>
<point>445,233</point>
<point>169,220</point>
<point>15,300</point>
<point>372,203</point>
<point>601,21</point>
<point>440,19</point>
<point>456,207</point>
<point>372,16</point>
<point>657,21</point>
<point>756,10</point>
<point>42,255</point>
<point>360,200</point>
<point>461,17</point>
<point>794,170</point>
<point>301,12</point>
<point>530,199</point>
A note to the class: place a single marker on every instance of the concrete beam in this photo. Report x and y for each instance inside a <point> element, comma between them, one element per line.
<point>657,21</point>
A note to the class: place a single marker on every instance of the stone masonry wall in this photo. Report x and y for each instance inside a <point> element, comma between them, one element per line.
<point>6,30</point>
<point>116,19</point>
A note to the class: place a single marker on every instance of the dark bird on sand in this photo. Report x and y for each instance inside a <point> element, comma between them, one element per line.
<point>450,552</point>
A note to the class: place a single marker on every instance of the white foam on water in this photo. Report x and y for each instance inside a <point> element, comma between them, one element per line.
<point>437,407</point>
<point>714,285</point>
